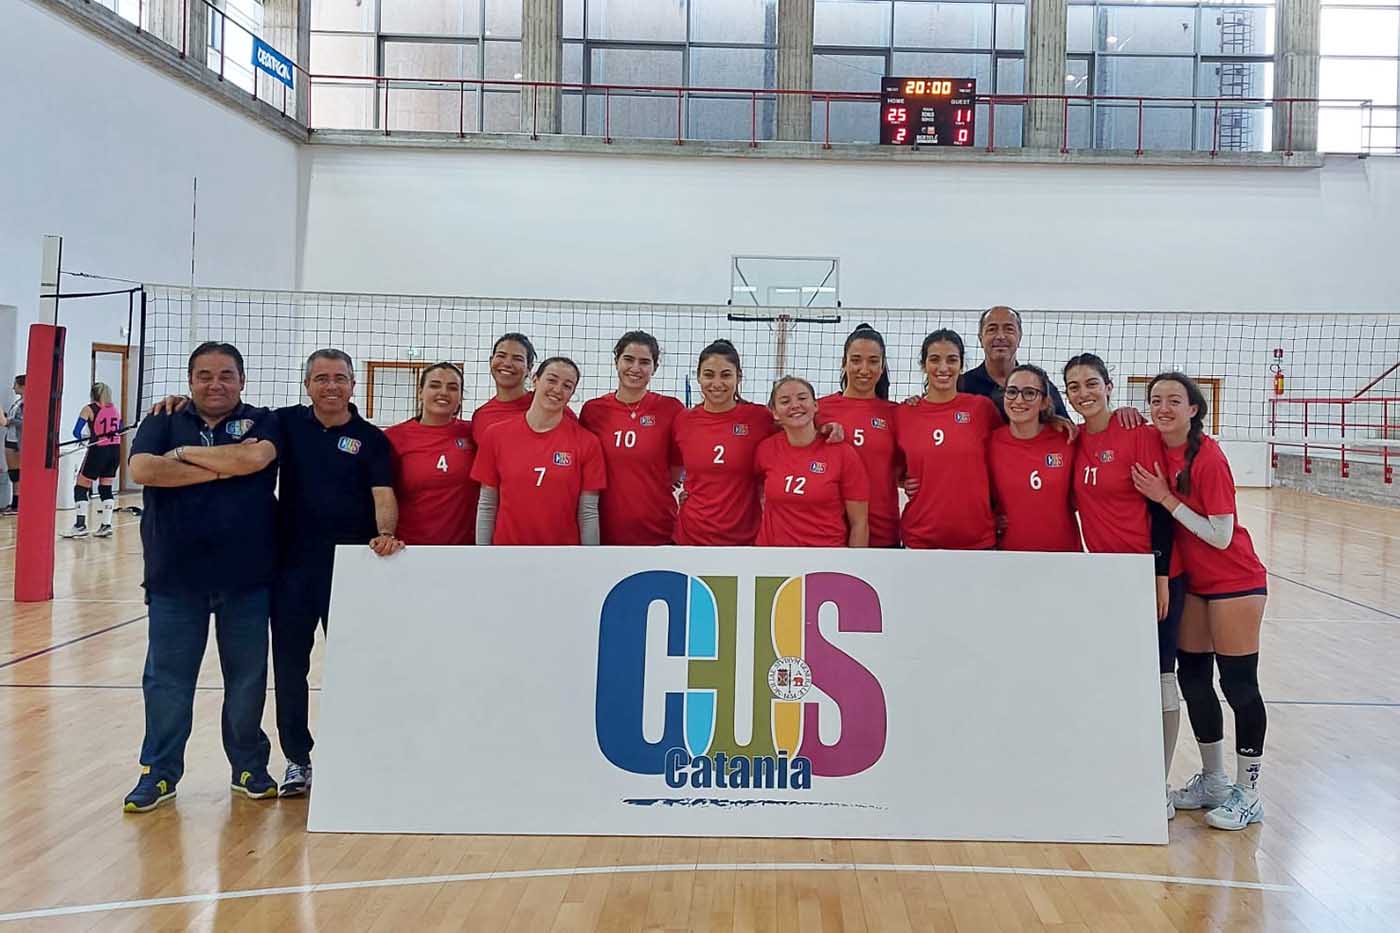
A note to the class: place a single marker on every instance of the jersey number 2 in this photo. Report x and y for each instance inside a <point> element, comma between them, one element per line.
<point>719,453</point>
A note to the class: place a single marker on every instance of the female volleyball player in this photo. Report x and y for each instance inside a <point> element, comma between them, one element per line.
<point>1224,607</point>
<point>943,439</point>
<point>634,426</point>
<point>1032,468</point>
<point>11,427</point>
<point>1116,519</point>
<point>102,422</point>
<point>433,456</point>
<point>865,412</point>
<point>541,472</point>
<point>512,358</point>
<point>814,494</point>
<point>717,441</point>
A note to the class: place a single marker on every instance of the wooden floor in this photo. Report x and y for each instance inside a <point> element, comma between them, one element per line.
<point>1327,857</point>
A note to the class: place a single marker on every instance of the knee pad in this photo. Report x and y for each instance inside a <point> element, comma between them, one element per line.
<point>80,493</point>
<point>1195,672</point>
<point>14,477</point>
<point>104,493</point>
<point>1171,699</point>
<point>1239,679</point>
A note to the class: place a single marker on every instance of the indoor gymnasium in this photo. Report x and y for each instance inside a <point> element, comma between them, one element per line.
<point>752,452</point>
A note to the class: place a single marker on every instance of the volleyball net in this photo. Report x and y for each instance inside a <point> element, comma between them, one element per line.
<point>1245,362</point>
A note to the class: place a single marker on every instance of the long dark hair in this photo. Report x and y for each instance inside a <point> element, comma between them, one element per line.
<point>638,337</point>
<point>1196,397</point>
<point>1044,378</point>
<point>1094,362</point>
<point>866,332</point>
<point>726,351</point>
<point>423,380</point>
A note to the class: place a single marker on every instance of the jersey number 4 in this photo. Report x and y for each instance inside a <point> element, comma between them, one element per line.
<point>442,463</point>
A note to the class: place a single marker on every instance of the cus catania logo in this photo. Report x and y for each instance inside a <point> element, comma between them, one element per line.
<point>699,745</point>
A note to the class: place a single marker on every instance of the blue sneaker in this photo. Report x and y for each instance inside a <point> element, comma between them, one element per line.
<point>150,792</point>
<point>256,784</point>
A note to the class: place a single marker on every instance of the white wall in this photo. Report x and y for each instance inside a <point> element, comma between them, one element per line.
<point>102,149</point>
<point>954,235</point>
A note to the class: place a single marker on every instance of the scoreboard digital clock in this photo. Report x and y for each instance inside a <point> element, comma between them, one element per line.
<point>928,111</point>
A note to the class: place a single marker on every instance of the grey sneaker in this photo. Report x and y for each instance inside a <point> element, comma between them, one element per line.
<point>297,781</point>
<point>1202,792</point>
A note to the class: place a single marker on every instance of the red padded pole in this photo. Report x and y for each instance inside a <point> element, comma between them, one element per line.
<point>38,449</point>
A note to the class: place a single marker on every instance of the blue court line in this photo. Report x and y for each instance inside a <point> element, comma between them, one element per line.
<point>1318,589</point>
<point>72,641</point>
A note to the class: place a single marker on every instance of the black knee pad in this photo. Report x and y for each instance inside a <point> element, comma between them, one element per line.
<point>1195,673</point>
<point>1239,678</point>
<point>104,492</point>
<point>80,493</point>
<point>14,477</point>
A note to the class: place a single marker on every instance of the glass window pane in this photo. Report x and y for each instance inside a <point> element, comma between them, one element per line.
<point>753,21</point>
<point>636,66</point>
<point>633,115</point>
<point>943,25</point>
<point>1339,130</point>
<point>851,121</point>
<point>503,19</point>
<point>1081,129</point>
<point>1147,29</point>
<point>651,20</point>
<point>1080,29</point>
<point>571,114</point>
<point>431,106</point>
<point>503,60</point>
<point>347,15</point>
<point>1360,79</point>
<point>573,19</point>
<point>1237,30</point>
<point>573,63</point>
<point>502,112</point>
<point>1360,32</point>
<point>1236,79</point>
<point>836,72</point>
<point>945,65</point>
<point>1008,120</point>
<point>1011,76</point>
<point>741,68</point>
<point>1148,77</point>
<point>343,105</point>
<point>431,17</point>
<point>1162,127</point>
<point>430,60</point>
<point>730,118</point>
<point>1011,26</point>
<point>1234,129</point>
<point>852,22</point>
<point>342,55</point>
<point>1077,76</point>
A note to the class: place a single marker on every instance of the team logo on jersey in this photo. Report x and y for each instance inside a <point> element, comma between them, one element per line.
<point>647,421</point>
<point>817,466</point>
<point>962,417</point>
<point>1054,460</point>
<point>1105,456</point>
<point>563,458</point>
<point>741,430</point>
<point>349,445</point>
<point>238,427</point>
<point>879,423</point>
<point>461,443</point>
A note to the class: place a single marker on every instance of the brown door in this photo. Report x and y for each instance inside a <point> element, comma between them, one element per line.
<point>110,364</point>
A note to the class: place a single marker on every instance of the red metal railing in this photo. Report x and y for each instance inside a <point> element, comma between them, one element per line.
<point>1350,427</point>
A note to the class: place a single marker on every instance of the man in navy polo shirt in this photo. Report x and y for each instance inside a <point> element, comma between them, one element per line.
<point>999,332</point>
<point>207,530</point>
<point>336,488</point>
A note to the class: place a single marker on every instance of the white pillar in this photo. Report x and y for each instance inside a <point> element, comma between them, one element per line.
<point>541,59</point>
<point>795,19</point>
<point>1295,74</point>
<point>1045,73</point>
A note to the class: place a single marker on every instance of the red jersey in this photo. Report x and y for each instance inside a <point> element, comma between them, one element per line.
<point>805,491</point>
<point>945,448</point>
<point>1112,512</point>
<point>870,429</point>
<point>639,508</point>
<point>721,507</point>
<point>1033,486</point>
<point>540,477</point>
<point>433,482</point>
<point>1209,570</point>
<point>495,411</point>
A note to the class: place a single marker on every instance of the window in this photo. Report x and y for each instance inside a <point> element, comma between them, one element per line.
<point>1360,61</point>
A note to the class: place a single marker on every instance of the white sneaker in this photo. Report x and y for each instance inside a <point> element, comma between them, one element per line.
<point>103,531</point>
<point>1241,808</point>
<point>1171,808</point>
<point>1202,792</point>
<point>77,531</point>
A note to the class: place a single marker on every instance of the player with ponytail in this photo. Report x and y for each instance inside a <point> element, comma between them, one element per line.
<point>433,456</point>
<point>867,417</point>
<point>512,358</point>
<point>1224,605</point>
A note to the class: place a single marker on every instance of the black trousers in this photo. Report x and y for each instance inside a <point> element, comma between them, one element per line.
<point>300,601</point>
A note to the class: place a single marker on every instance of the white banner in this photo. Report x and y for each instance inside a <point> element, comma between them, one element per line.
<point>628,691</point>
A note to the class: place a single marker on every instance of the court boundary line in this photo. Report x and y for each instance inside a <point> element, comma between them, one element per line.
<point>1310,518</point>
<point>72,641</point>
<point>419,880</point>
<point>59,537</point>
<point>1345,599</point>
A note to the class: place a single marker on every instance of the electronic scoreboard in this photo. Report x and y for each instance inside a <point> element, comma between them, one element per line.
<point>927,111</point>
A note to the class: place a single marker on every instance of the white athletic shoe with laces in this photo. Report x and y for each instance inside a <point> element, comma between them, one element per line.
<point>1241,808</point>
<point>1202,792</point>
<point>77,531</point>
<point>103,531</point>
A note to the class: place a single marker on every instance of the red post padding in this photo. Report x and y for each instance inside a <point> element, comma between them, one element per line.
<point>38,451</point>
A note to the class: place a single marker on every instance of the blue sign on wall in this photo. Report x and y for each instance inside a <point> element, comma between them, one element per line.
<point>268,59</point>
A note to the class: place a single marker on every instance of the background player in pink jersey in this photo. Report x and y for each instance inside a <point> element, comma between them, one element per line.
<point>635,427</point>
<point>102,423</point>
<point>814,494</point>
<point>1224,609</point>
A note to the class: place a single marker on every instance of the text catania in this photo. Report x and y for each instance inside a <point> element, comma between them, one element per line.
<point>762,771</point>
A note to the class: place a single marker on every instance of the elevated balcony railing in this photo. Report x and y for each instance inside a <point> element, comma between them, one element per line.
<point>1365,428</point>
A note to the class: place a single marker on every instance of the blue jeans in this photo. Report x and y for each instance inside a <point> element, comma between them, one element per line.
<point>178,634</point>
